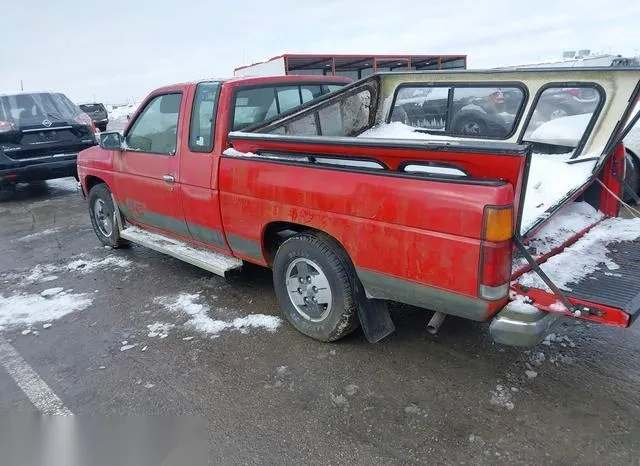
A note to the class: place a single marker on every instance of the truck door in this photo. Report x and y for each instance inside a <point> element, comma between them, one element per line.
<point>199,166</point>
<point>148,178</point>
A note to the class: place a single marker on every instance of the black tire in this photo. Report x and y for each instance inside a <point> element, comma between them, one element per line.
<point>100,199</point>
<point>465,122</point>
<point>334,263</point>
<point>102,128</point>
<point>631,178</point>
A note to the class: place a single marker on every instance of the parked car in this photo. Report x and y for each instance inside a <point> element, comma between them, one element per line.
<point>348,222</point>
<point>475,111</point>
<point>41,134</point>
<point>562,102</point>
<point>98,114</point>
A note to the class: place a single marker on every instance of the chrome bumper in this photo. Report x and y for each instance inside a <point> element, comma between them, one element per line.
<point>525,329</point>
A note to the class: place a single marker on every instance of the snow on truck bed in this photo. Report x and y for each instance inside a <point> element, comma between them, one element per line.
<point>550,177</point>
<point>590,253</point>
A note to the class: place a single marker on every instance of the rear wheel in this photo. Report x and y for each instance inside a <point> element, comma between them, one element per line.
<point>103,220</point>
<point>314,282</point>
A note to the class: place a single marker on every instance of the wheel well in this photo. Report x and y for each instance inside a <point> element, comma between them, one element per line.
<point>91,181</point>
<point>276,233</point>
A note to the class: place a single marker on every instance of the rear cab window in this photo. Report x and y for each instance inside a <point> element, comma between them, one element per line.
<point>203,116</point>
<point>258,103</point>
<point>461,110</point>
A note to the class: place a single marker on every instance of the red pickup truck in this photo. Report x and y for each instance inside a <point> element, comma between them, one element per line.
<point>459,192</point>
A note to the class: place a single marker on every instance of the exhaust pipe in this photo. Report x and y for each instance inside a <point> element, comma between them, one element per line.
<point>435,322</point>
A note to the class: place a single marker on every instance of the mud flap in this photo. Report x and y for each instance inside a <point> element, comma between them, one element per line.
<point>374,316</point>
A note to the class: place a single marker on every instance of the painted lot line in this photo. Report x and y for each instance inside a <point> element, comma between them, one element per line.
<point>30,383</point>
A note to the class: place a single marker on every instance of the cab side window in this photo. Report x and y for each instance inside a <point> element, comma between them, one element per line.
<point>203,117</point>
<point>156,128</point>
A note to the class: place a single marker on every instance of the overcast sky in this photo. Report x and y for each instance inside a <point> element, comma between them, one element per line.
<point>118,50</point>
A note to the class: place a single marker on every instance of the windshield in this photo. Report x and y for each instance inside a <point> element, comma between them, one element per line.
<point>34,109</point>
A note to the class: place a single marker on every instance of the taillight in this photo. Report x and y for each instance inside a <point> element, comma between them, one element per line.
<point>495,253</point>
<point>5,126</point>
<point>497,223</point>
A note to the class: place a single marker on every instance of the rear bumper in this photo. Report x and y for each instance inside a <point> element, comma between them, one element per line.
<point>39,171</point>
<point>526,329</point>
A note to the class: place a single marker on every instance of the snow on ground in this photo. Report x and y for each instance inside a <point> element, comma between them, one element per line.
<point>89,265</point>
<point>121,112</point>
<point>43,273</point>
<point>586,255</point>
<point>40,234</point>
<point>159,329</point>
<point>200,321</point>
<point>29,309</point>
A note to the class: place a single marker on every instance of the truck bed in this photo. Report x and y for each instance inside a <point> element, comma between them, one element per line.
<point>602,267</point>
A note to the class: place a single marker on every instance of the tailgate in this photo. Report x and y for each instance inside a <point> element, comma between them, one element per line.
<point>599,275</point>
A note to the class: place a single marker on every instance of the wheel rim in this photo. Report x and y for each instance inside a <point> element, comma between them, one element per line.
<point>558,113</point>
<point>471,127</point>
<point>309,290</point>
<point>103,221</point>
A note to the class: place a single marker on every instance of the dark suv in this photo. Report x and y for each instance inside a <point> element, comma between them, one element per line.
<point>98,114</point>
<point>41,134</point>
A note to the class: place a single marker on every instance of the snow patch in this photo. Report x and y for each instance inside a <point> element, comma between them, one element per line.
<point>549,182</point>
<point>39,234</point>
<point>398,130</point>
<point>159,329</point>
<point>51,292</point>
<point>30,309</point>
<point>121,112</point>
<point>566,131</point>
<point>200,321</point>
<point>42,273</point>
<point>502,397</point>
<point>521,304</point>
<point>586,255</point>
<point>88,266</point>
<point>563,226</point>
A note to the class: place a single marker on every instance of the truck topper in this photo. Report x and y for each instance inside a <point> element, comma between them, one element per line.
<point>486,195</point>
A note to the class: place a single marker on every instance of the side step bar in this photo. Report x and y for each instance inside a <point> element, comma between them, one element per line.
<point>212,261</point>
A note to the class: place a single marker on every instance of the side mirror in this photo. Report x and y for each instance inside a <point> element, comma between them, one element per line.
<point>111,140</point>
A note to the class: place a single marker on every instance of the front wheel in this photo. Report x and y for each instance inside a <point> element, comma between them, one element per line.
<point>103,220</point>
<point>314,281</point>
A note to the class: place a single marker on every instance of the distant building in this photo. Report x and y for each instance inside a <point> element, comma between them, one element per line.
<point>582,58</point>
<point>352,66</point>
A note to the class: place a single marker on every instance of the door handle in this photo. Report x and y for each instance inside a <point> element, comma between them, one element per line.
<point>168,178</point>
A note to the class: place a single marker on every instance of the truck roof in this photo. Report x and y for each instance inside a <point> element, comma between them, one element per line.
<point>250,80</point>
